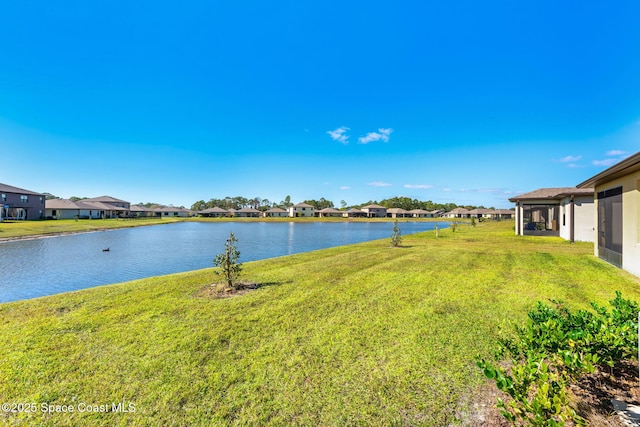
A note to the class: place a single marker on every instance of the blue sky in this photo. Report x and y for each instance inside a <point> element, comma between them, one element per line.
<point>464,102</point>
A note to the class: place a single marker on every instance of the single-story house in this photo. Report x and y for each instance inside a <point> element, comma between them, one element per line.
<point>481,213</point>
<point>503,214</point>
<point>247,213</point>
<point>140,211</point>
<point>276,213</point>
<point>374,211</point>
<point>617,213</point>
<point>420,213</point>
<point>214,212</point>
<point>18,203</point>
<point>354,213</point>
<point>566,212</point>
<point>67,209</point>
<point>301,210</point>
<point>458,213</point>
<point>170,211</point>
<point>329,212</point>
<point>398,213</point>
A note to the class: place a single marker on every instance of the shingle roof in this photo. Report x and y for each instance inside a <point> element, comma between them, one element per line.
<point>373,207</point>
<point>11,189</point>
<point>248,210</point>
<point>215,209</point>
<point>330,210</point>
<point>397,210</point>
<point>459,211</point>
<point>276,210</point>
<point>105,199</point>
<point>302,205</point>
<point>553,193</point>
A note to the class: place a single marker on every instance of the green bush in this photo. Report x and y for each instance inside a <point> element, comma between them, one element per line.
<point>554,348</point>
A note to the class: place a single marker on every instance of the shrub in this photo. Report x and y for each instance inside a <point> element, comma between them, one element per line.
<point>396,238</point>
<point>230,268</point>
<point>554,348</point>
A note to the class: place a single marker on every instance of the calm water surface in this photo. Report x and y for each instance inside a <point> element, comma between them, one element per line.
<point>33,268</point>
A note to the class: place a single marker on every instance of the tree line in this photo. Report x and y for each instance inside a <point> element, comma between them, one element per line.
<point>239,202</point>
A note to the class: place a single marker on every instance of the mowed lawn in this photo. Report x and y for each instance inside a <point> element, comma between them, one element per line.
<point>363,334</point>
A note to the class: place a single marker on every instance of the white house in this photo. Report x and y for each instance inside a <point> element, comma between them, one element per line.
<point>374,211</point>
<point>301,210</point>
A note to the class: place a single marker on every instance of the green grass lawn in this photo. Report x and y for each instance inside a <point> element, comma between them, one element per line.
<point>19,229</point>
<point>363,334</point>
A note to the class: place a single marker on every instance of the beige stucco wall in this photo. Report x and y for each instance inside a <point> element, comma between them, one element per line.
<point>584,217</point>
<point>630,220</point>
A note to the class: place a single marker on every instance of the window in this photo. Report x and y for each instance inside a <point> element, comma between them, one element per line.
<point>24,199</point>
<point>4,197</point>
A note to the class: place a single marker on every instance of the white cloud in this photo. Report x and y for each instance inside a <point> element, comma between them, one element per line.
<point>345,187</point>
<point>379,184</point>
<point>446,189</point>
<point>605,162</point>
<point>419,186</point>
<point>616,153</point>
<point>573,165</point>
<point>383,134</point>
<point>568,159</point>
<point>339,134</point>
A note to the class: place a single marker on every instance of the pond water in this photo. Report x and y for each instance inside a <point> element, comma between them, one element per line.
<point>38,267</point>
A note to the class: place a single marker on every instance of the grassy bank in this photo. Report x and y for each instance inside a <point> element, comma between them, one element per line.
<point>22,229</point>
<point>362,334</point>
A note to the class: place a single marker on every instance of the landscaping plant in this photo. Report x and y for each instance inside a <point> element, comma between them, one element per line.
<point>396,238</point>
<point>230,268</point>
<point>553,349</point>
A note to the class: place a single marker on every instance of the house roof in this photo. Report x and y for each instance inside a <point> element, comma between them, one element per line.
<point>354,210</point>
<point>419,211</point>
<point>505,211</point>
<point>11,189</point>
<point>481,211</point>
<point>105,199</point>
<point>459,211</point>
<point>275,210</point>
<point>80,204</point>
<point>330,210</point>
<point>397,210</point>
<point>373,207</point>
<point>60,204</point>
<point>248,210</point>
<point>302,205</point>
<point>629,165</point>
<point>553,193</point>
<point>215,209</point>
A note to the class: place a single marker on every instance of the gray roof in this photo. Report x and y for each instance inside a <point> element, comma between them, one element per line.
<point>138,208</point>
<point>105,199</point>
<point>373,207</point>
<point>553,193</point>
<point>419,211</point>
<point>11,189</point>
<point>215,209</point>
<point>80,204</point>
<point>248,210</point>
<point>397,210</point>
<point>330,210</point>
<point>275,210</point>
<point>302,205</point>
<point>459,211</point>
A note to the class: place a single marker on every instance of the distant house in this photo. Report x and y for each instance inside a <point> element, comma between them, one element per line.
<point>398,213</point>
<point>301,210</point>
<point>170,211</point>
<point>617,213</point>
<point>503,214</point>
<point>18,203</point>
<point>140,211</point>
<point>67,209</point>
<point>110,207</point>
<point>329,212</point>
<point>420,213</point>
<point>247,213</point>
<point>566,212</point>
<point>214,212</point>
<point>481,213</point>
<point>354,213</point>
<point>374,211</point>
<point>458,213</point>
<point>275,213</point>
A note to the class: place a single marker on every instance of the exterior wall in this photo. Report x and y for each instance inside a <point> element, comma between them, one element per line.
<point>520,226</point>
<point>630,220</point>
<point>34,204</point>
<point>295,211</point>
<point>584,217</point>
<point>375,212</point>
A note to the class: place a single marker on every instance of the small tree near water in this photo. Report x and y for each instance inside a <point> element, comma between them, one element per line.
<point>230,268</point>
<point>396,238</point>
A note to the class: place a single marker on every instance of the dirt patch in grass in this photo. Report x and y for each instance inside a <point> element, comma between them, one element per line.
<point>592,396</point>
<point>221,290</point>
